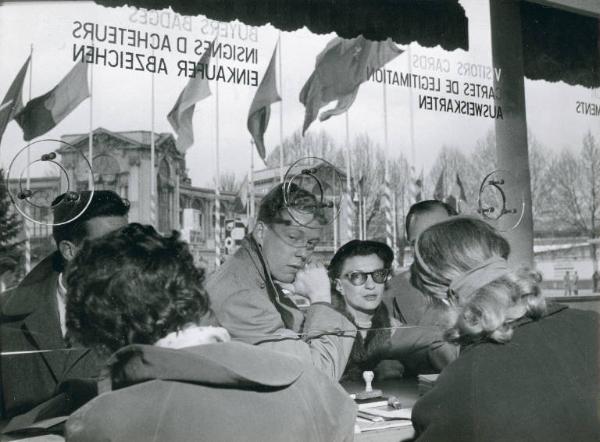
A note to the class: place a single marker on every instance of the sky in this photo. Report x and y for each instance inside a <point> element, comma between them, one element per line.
<point>122,98</point>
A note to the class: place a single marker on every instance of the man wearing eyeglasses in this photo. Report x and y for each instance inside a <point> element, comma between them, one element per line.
<point>248,293</point>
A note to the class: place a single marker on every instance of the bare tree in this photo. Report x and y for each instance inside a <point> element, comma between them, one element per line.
<point>482,161</point>
<point>228,182</point>
<point>297,146</point>
<point>576,189</point>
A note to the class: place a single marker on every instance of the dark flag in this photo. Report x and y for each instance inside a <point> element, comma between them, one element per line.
<point>43,113</point>
<point>260,110</point>
<point>13,101</point>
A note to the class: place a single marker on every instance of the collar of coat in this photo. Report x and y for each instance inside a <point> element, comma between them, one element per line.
<point>230,364</point>
<point>37,285</point>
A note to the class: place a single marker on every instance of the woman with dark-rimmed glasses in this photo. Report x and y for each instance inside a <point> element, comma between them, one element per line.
<point>359,271</point>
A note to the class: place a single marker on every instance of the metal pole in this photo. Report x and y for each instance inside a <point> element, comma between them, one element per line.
<point>153,217</point>
<point>281,153</point>
<point>217,181</point>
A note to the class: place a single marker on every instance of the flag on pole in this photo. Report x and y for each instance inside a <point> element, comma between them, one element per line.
<point>181,115</point>
<point>260,109</point>
<point>461,189</point>
<point>438,193</point>
<point>12,103</point>
<point>43,113</point>
<point>339,70</point>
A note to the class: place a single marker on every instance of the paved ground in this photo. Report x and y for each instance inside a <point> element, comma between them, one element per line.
<point>561,292</point>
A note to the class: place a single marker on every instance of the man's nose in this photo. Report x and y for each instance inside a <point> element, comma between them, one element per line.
<point>369,283</point>
<point>303,252</point>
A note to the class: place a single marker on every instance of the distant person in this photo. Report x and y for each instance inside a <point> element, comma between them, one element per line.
<point>33,313</point>
<point>359,271</point>
<point>596,280</point>
<point>405,302</point>
<point>526,370</point>
<point>248,292</point>
<point>575,283</point>
<point>173,378</point>
<point>567,283</point>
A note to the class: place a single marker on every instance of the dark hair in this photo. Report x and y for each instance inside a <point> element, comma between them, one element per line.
<point>68,205</point>
<point>274,202</point>
<point>132,286</point>
<point>357,247</point>
<point>427,206</point>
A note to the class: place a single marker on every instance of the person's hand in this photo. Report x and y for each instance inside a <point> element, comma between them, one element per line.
<point>194,335</point>
<point>313,283</point>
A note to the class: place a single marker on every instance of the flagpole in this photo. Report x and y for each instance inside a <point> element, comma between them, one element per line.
<point>26,221</point>
<point>250,201</point>
<point>350,202</point>
<point>411,110</point>
<point>281,160</point>
<point>153,217</point>
<point>91,128</point>
<point>335,221</point>
<point>218,178</point>
<point>387,196</point>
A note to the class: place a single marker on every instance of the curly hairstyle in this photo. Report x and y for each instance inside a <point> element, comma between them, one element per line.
<point>132,286</point>
<point>448,251</point>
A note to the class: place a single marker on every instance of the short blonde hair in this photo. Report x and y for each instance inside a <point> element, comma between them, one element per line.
<point>447,251</point>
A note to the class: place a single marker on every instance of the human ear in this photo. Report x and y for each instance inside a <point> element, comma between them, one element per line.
<point>259,233</point>
<point>67,249</point>
<point>339,287</point>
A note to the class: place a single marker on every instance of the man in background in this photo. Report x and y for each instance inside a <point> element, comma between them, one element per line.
<point>250,292</point>
<point>32,315</point>
<point>406,302</point>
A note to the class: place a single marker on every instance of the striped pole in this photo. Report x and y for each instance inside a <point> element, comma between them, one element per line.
<point>349,203</point>
<point>153,211</point>
<point>395,235</point>
<point>217,180</point>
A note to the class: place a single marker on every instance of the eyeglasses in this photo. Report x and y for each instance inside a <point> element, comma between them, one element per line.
<point>358,278</point>
<point>295,239</point>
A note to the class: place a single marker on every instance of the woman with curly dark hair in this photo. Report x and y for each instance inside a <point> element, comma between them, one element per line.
<point>134,287</point>
<point>137,287</point>
<point>527,370</point>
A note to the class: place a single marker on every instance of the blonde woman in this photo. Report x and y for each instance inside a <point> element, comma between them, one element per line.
<point>527,370</point>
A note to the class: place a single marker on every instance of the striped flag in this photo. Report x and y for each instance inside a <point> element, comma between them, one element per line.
<point>181,115</point>
<point>13,101</point>
<point>260,109</point>
<point>43,113</point>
